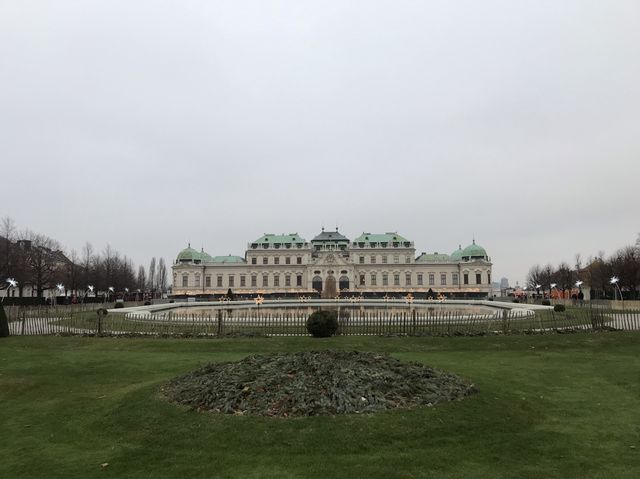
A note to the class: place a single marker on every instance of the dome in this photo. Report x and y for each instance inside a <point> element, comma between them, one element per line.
<point>457,254</point>
<point>474,251</point>
<point>188,255</point>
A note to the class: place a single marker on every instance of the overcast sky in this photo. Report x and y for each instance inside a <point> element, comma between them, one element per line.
<point>148,124</point>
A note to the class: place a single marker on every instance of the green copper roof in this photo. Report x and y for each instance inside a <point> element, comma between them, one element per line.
<point>474,251</point>
<point>457,254</point>
<point>282,239</point>
<point>380,238</point>
<point>227,259</point>
<point>433,258</point>
<point>188,254</point>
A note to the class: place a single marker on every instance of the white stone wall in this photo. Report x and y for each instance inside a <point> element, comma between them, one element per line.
<point>318,264</point>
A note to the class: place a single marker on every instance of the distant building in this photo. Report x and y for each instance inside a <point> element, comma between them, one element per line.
<point>330,265</point>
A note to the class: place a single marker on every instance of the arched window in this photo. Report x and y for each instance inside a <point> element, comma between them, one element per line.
<point>343,283</point>
<point>316,283</point>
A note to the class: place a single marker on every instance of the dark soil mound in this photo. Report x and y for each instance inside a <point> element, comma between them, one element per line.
<point>314,383</point>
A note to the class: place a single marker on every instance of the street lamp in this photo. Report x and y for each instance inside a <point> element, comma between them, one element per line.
<point>12,284</point>
<point>59,289</point>
<point>614,281</point>
<point>109,291</point>
<point>551,287</point>
<point>538,286</point>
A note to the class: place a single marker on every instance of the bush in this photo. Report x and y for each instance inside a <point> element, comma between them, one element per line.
<point>546,302</point>
<point>4,323</point>
<point>559,308</point>
<point>119,305</point>
<point>322,324</point>
<point>147,303</point>
<point>102,311</point>
<point>515,301</point>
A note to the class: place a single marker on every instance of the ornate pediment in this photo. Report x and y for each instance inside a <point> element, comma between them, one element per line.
<point>330,259</point>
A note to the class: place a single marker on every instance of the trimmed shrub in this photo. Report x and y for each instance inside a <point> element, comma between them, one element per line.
<point>322,324</point>
<point>147,303</point>
<point>515,301</point>
<point>546,302</point>
<point>102,311</point>
<point>119,305</point>
<point>559,308</point>
<point>4,323</point>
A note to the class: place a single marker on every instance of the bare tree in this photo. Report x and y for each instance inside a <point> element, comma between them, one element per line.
<point>87,258</point>
<point>44,260</point>
<point>151,278</point>
<point>7,237</point>
<point>142,278</point>
<point>162,275</point>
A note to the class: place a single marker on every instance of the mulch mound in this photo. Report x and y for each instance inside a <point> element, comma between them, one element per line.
<point>314,383</point>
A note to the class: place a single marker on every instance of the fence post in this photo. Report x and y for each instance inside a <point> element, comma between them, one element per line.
<point>24,320</point>
<point>219,323</point>
<point>99,315</point>
<point>413,322</point>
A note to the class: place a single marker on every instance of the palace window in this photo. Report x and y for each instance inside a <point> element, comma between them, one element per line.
<point>362,282</point>
<point>265,280</point>
<point>396,259</point>
<point>454,277</point>
<point>385,279</point>
<point>407,279</point>
<point>265,260</point>
<point>384,259</point>
<point>287,280</point>
<point>219,281</point>
<point>207,281</point>
<point>407,259</point>
<point>287,260</point>
<point>374,279</point>
<point>197,280</point>
<point>465,278</point>
<point>488,278</point>
<point>185,281</point>
<point>432,279</point>
<point>373,260</point>
<point>254,260</point>
<point>232,281</point>
<point>443,279</point>
<point>276,280</point>
<point>254,281</point>
<point>243,281</point>
<point>396,280</point>
<point>420,282</point>
<point>361,259</point>
<point>299,280</point>
<point>276,260</point>
<point>299,260</point>
<point>478,278</point>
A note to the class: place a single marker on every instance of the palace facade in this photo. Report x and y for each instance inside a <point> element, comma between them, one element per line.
<point>329,265</point>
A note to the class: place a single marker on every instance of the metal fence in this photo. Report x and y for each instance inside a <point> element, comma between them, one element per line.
<point>223,323</point>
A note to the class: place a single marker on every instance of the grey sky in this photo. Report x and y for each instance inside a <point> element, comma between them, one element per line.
<point>146,124</point>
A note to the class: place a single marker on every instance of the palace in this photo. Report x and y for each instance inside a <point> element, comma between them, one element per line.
<point>329,265</point>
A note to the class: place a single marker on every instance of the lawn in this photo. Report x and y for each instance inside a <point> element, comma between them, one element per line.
<point>552,406</point>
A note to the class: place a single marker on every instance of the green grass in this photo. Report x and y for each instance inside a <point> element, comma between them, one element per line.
<point>554,406</point>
